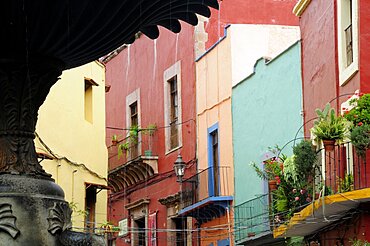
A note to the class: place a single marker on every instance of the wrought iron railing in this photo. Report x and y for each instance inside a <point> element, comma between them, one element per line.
<point>252,218</point>
<point>342,169</point>
<point>126,150</point>
<point>210,182</point>
<point>337,171</point>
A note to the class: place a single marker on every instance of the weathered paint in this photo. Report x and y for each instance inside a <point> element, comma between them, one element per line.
<point>261,12</point>
<point>266,111</point>
<point>216,237</point>
<point>321,77</point>
<point>320,58</point>
<point>142,65</point>
<point>63,128</point>
<point>213,73</point>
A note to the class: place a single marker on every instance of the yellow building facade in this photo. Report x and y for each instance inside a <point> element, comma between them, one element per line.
<point>71,135</point>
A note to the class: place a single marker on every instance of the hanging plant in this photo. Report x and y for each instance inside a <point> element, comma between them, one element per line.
<point>329,128</point>
<point>360,138</point>
<point>133,138</point>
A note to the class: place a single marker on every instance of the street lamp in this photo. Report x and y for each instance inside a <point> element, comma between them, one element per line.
<point>179,167</point>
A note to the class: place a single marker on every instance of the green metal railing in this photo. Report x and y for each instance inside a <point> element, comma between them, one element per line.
<point>252,218</point>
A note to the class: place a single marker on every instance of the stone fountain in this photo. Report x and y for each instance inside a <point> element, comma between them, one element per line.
<point>39,39</point>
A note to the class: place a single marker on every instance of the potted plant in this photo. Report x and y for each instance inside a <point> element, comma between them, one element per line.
<point>360,138</point>
<point>150,130</point>
<point>271,172</point>
<point>346,184</point>
<point>129,141</point>
<point>359,115</point>
<point>329,128</point>
<point>114,140</point>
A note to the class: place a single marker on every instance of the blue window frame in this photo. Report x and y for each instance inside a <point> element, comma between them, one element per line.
<point>213,161</point>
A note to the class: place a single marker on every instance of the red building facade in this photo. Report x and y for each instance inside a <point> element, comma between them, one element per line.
<point>262,12</point>
<point>152,86</point>
<point>152,83</point>
<point>335,68</point>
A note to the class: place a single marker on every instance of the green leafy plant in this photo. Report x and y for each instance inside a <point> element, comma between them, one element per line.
<point>345,184</point>
<point>271,169</point>
<point>133,136</point>
<point>360,138</point>
<point>305,158</point>
<point>360,114</point>
<point>114,140</point>
<point>129,141</point>
<point>109,227</point>
<point>291,173</point>
<point>357,242</point>
<point>76,210</point>
<point>328,126</point>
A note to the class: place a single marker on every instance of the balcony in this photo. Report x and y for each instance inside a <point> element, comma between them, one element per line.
<point>133,164</point>
<point>206,195</point>
<point>344,178</point>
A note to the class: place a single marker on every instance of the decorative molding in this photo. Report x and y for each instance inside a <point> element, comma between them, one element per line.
<point>300,7</point>
<point>138,203</point>
<point>170,200</point>
<point>7,220</point>
<point>59,218</point>
<point>23,90</point>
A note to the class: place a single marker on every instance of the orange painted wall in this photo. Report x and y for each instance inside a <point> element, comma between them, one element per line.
<point>209,233</point>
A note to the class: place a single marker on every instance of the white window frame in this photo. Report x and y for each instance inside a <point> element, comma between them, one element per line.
<point>130,99</point>
<point>174,70</point>
<point>347,72</point>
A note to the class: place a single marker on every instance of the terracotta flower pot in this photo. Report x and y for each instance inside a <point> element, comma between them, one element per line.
<point>329,144</point>
<point>272,185</point>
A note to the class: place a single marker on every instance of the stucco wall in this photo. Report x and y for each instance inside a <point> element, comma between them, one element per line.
<point>261,12</point>
<point>266,111</point>
<point>320,58</point>
<point>213,73</point>
<point>251,42</point>
<point>142,66</point>
<point>63,128</point>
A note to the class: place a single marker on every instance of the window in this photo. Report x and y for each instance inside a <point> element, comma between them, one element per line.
<point>133,119</point>
<point>347,39</point>
<point>213,161</point>
<point>88,99</point>
<point>172,107</point>
<point>90,203</point>
<point>174,112</point>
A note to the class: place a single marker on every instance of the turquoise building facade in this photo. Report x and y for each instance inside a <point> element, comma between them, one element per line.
<point>266,111</point>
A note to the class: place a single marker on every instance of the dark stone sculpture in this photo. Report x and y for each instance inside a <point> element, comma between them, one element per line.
<point>38,40</point>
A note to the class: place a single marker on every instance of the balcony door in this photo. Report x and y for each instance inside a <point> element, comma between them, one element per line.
<point>213,162</point>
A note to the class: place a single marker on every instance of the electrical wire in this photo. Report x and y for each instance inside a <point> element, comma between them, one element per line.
<point>66,159</point>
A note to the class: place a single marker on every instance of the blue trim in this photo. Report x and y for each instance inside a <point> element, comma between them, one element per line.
<point>224,242</point>
<point>211,178</point>
<point>206,201</point>
<point>214,45</point>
